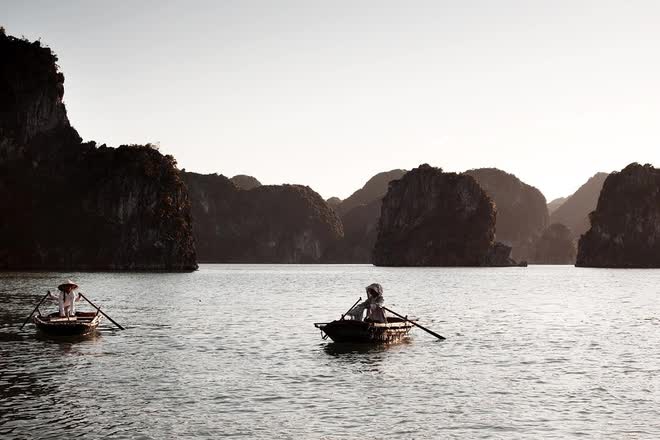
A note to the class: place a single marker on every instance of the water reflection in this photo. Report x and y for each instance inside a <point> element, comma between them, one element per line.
<point>68,340</point>
<point>338,350</point>
<point>366,358</point>
<point>22,382</point>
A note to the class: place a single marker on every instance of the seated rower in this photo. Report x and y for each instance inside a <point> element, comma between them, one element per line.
<point>67,298</point>
<point>373,305</point>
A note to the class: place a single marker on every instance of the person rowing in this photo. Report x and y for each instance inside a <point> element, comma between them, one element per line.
<point>373,306</point>
<point>67,298</point>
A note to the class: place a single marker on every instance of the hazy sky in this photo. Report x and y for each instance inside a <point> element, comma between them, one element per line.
<point>328,93</point>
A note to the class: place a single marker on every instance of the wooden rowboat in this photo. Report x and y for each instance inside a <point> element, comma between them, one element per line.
<point>81,324</point>
<point>352,331</point>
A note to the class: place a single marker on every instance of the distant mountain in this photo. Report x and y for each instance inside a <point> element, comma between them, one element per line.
<point>245,182</point>
<point>522,213</point>
<point>333,202</point>
<point>625,227</point>
<point>554,246</point>
<point>556,203</point>
<point>360,230</point>
<point>574,212</point>
<point>359,215</point>
<point>267,224</point>
<point>375,188</point>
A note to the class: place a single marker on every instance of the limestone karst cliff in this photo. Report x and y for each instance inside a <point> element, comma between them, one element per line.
<point>554,246</point>
<point>522,213</point>
<point>267,224</point>
<point>433,218</point>
<point>574,212</point>
<point>73,205</point>
<point>625,227</point>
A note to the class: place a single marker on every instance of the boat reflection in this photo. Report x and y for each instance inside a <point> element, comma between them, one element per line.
<point>341,349</point>
<point>363,357</point>
<point>92,337</point>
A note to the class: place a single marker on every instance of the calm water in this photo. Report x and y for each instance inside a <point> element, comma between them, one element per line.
<point>542,352</point>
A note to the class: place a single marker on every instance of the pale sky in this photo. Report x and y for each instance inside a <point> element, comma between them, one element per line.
<point>328,93</point>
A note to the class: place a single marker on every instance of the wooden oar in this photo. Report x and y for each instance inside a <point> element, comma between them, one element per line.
<point>102,312</point>
<point>415,324</point>
<point>35,309</point>
<point>352,307</point>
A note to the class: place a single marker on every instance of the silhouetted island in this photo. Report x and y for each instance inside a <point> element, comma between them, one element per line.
<point>359,215</point>
<point>554,246</point>
<point>73,205</point>
<point>574,212</point>
<point>522,213</point>
<point>267,224</point>
<point>433,218</point>
<point>625,227</point>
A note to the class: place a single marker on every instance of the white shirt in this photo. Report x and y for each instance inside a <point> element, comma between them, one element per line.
<point>66,302</point>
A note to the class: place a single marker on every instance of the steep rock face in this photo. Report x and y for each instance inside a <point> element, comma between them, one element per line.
<point>556,203</point>
<point>268,224</point>
<point>31,91</point>
<point>245,182</point>
<point>625,227</point>
<point>432,218</point>
<point>74,205</point>
<point>574,212</point>
<point>522,213</point>
<point>554,246</point>
<point>375,188</point>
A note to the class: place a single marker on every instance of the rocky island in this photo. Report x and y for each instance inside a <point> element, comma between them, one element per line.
<point>433,218</point>
<point>266,224</point>
<point>625,227</point>
<point>73,205</point>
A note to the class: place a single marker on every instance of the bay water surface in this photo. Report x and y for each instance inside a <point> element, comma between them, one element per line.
<point>231,350</point>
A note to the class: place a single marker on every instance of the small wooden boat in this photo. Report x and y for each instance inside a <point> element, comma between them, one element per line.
<point>81,324</point>
<point>352,331</point>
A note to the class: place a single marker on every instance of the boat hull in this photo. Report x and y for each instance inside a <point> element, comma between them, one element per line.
<point>350,331</point>
<point>83,323</point>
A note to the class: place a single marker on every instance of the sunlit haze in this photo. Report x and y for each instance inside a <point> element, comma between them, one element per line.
<point>329,93</point>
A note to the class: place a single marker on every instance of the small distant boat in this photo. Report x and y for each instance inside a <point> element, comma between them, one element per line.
<point>353,331</point>
<point>81,324</point>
